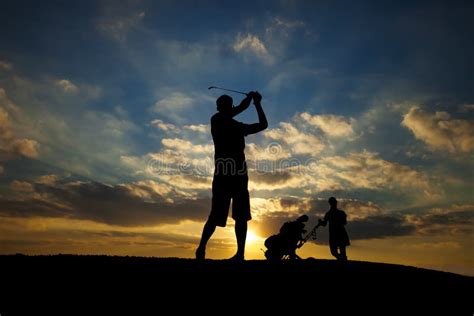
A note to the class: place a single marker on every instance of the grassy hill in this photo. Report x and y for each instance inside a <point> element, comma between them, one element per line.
<point>305,285</point>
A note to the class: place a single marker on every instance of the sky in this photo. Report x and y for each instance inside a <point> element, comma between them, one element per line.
<point>105,144</point>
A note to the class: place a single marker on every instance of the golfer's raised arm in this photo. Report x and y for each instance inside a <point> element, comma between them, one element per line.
<point>262,119</point>
<point>243,105</point>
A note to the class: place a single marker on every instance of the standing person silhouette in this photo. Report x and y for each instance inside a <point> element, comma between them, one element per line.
<point>338,238</point>
<point>230,175</point>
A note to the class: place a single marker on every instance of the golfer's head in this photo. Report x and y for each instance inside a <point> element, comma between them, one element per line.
<point>332,201</point>
<point>303,218</point>
<point>224,103</point>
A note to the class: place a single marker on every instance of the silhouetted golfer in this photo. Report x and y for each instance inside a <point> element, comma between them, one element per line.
<point>230,174</point>
<point>292,234</point>
<point>338,238</point>
<point>284,244</point>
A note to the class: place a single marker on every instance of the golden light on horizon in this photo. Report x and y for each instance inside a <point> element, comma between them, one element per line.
<point>253,238</point>
<point>255,246</point>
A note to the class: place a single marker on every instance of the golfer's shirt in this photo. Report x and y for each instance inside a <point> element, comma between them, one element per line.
<point>229,145</point>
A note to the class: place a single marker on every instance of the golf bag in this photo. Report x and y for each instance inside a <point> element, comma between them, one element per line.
<point>279,248</point>
<point>276,248</point>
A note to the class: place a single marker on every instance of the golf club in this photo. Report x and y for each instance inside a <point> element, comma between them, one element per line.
<point>213,87</point>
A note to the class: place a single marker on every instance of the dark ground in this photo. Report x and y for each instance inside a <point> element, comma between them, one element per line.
<point>42,283</point>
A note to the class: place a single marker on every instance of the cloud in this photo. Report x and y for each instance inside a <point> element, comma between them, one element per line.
<point>149,203</point>
<point>307,134</point>
<point>166,127</point>
<point>458,218</point>
<point>5,125</point>
<point>56,135</point>
<point>149,191</point>
<point>94,150</point>
<point>435,245</point>
<point>48,179</point>
<point>67,86</point>
<point>273,180</point>
<point>439,131</point>
<point>180,159</point>
<point>252,45</point>
<point>466,107</point>
<point>199,128</point>
<point>21,186</point>
<point>184,58</point>
<point>5,65</point>
<point>86,91</point>
<point>283,26</point>
<point>172,128</point>
<point>282,165</point>
<point>371,227</point>
<point>273,151</point>
<point>292,207</point>
<point>139,203</point>
<point>40,235</point>
<point>186,146</point>
<point>355,209</point>
<point>177,104</point>
<point>299,143</point>
<point>142,203</point>
<point>356,171</point>
<point>366,220</point>
<point>366,170</point>
<point>381,226</point>
<point>188,182</point>
<point>279,181</point>
<point>271,223</point>
<point>111,126</point>
<point>332,125</point>
<point>281,33</point>
<point>118,27</point>
<point>177,101</point>
<point>25,147</point>
<point>9,143</point>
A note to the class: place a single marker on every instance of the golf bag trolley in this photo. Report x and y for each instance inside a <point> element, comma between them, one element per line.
<point>279,249</point>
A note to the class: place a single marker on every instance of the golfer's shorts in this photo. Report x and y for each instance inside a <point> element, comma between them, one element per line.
<point>224,189</point>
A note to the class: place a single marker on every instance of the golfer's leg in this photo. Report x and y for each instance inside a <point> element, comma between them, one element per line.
<point>207,232</point>
<point>343,253</point>
<point>241,234</point>
<point>333,249</point>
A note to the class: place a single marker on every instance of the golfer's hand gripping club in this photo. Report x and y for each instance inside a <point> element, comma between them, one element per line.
<point>257,97</point>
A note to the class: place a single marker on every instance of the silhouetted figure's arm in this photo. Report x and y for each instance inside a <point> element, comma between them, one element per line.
<point>344,218</point>
<point>243,105</point>
<point>323,222</point>
<point>262,119</point>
